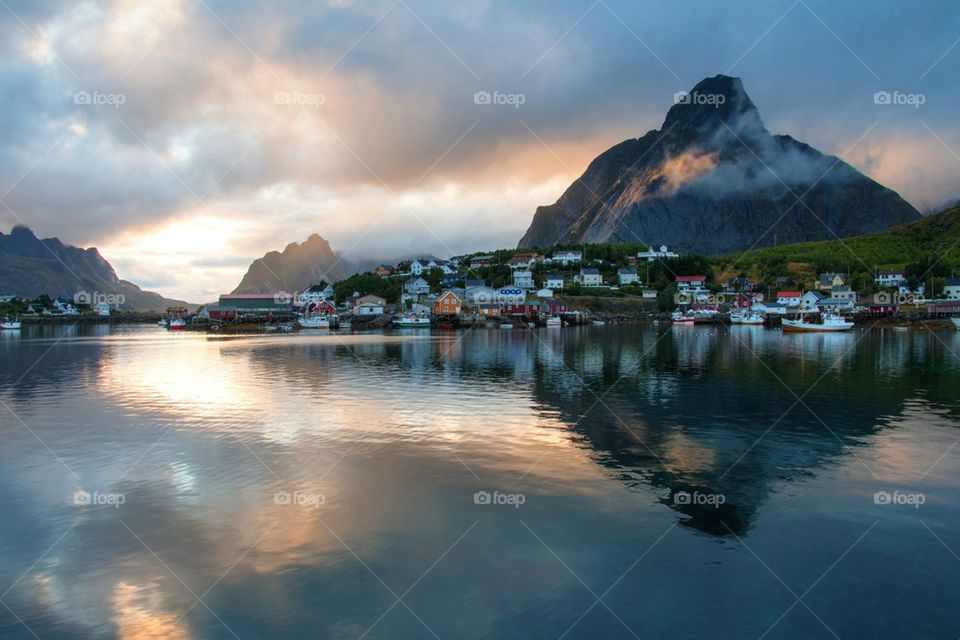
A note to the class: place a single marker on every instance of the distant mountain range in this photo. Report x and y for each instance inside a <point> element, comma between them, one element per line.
<point>297,267</point>
<point>30,267</point>
<point>714,180</point>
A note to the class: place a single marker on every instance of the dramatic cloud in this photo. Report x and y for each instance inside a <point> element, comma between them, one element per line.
<point>186,138</point>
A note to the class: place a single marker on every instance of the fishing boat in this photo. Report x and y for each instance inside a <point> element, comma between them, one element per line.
<point>956,322</point>
<point>554,321</point>
<point>829,322</point>
<point>314,322</point>
<point>750,317</point>
<point>682,318</point>
<point>177,324</point>
<point>10,324</point>
<point>736,317</point>
<point>411,320</point>
<point>344,324</point>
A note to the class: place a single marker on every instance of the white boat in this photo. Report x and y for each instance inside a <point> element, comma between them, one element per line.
<point>682,318</point>
<point>736,317</point>
<point>751,317</point>
<point>10,324</point>
<point>177,324</point>
<point>506,325</point>
<point>598,323</point>
<point>314,322</point>
<point>554,321</point>
<point>829,322</point>
<point>344,324</point>
<point>162,323</point>
<point>412,320</point>
<point>956,322</point>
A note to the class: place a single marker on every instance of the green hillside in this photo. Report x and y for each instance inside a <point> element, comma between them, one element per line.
<point>926,248</point>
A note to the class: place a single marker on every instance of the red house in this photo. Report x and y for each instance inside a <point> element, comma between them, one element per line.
<point>520,310</point>
<point>321,308</point>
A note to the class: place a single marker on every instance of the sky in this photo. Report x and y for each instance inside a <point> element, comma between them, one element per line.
<point>185,138</point>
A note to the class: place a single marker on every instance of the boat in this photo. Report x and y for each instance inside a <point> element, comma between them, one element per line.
<point>681,318</point>
<point>162,323</point>
<point>598,323</point>
<point>177,324</point>
<point>344,324</point>
<point>736,317</point>
<point>753,318</point>
<point>314,322</point>
<point>10,324</point>
<point>554,321</point>
<point>956,323</point>
<point>412,320</point>
<point>506,325</point>
<point>829,322</point>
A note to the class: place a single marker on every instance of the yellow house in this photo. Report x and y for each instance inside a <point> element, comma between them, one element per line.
<point>449,304</point>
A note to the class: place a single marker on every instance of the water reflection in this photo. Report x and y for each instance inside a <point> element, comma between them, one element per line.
<point>602,429</point>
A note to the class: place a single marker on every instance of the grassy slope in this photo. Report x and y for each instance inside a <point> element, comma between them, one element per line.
<point>937,235</point>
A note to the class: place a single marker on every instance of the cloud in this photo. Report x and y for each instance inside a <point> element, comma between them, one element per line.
<point>302,116</point>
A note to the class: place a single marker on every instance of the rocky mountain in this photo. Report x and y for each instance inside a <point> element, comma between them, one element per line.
<point>294,269</point>
<point>714,180</point>
<point>30,267</point>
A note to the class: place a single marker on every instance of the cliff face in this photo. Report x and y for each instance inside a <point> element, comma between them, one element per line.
<point>30,267</point>
<point>294,269</point>
<point>714,180</point>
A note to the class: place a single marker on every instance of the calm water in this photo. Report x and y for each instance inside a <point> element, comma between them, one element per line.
<point>671,483</point>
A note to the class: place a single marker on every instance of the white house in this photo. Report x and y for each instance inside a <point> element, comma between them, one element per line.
<point>416,286</point>
<point>101,309</point>
<point>567,257</point>
<point>691,283</point>
<point>652,254</point>
<point>421,266</point>
<point>770,308</point>
<point>789,298</point>
<point>523,261</point>
<point>893,278</point>
<point>554,281</point>
<point>627,276</point>
<point>590,277</point>
<point>510,295</point>
<point>545,293</point>
<point>480,294</point>
<point>369,306</point>
<point>952,289</point>
<point>843,292</point>
<point>811,300</point>
<point>523,279</point>
<point>316,293</point>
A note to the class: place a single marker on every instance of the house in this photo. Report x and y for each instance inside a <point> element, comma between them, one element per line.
<point>421,266</point>
<point>383,270</point>
<point>450,280</point>
<point>523,260</point>
<point>316,293</point>
<point>649,294</point>
<point>952,289</point>
<point>480,295</point>
<point>416,286</point>
<point>488,310</point>
<point>691,283</point>
<point>589,277</point>
<point>740,283</point>
<point>258,304</point>
<point>321,308</point>
<point>520,310</point>
<point>627,276</point>
<point>523,279</point>
<point>652,254</point>
<point>369,306</point>
<point>554,281</point>
<point>828,281</point>
<point>481,261</point>
<point>632,261</point>
<point>836,306</point>
<point>448,304</point>
<point>567,257</point>
<point>101,309</point>
<point>811,300</point>
<point>789,298</point>
<point>510,295</point>
<point>544,293</point>
<point>843,292</point>
<point>890,278</point>
<point>770,308</point>
<point>552,307</point>
<point>473,282</point>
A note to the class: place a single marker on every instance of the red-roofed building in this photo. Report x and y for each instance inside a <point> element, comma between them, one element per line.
<point>691,283</point>
<point>789,298</point>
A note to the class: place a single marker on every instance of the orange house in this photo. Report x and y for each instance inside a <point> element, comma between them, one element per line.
<point>449,304</point>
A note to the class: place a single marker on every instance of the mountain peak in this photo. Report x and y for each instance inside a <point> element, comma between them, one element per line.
<point>712,103</point>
